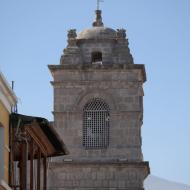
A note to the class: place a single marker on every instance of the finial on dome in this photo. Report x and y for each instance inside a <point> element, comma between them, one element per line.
<point>98,4</point>
<point>98,21</point>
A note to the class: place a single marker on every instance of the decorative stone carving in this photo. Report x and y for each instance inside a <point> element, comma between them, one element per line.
<point>121,33</point>
<point>72,34</point>
<point>72,37</point>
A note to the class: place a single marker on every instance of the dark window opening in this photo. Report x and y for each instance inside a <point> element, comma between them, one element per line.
<point>97,57</point>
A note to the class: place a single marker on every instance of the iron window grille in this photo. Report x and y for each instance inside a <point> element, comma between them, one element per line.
<point>96,121</point>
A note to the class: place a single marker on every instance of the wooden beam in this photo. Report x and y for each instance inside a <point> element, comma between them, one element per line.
<point>20,170</point>
<point>40,138</point>
<point>38,169</point>
<point>24,164</point>
<point>45,172</point>
<point>31,164</point>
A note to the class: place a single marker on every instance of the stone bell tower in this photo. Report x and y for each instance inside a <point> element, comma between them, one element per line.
<point>98,111</point>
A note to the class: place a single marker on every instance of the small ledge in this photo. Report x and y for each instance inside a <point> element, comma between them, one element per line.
<point>88,161</point>
<point>67,160</point>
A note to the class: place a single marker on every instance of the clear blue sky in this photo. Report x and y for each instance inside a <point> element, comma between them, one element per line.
<point>33,35</point>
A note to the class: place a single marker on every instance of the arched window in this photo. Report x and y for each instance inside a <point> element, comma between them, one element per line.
<point>96,124</point>
<point>96,57</point>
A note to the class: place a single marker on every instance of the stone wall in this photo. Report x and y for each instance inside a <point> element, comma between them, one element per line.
<point>121,89</point>
<point>97,175</point>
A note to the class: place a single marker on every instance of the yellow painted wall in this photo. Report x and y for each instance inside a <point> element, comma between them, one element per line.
<point>4,119</point>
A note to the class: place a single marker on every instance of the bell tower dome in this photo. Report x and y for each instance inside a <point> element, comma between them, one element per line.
<point>98,110</point>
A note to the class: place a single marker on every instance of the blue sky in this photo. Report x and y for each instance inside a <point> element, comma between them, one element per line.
<point>33,35</point>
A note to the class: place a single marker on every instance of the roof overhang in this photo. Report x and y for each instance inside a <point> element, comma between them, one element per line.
<point>43,134</point>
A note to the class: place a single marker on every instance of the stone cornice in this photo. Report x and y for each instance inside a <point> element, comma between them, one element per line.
<point>120,163</point>
<point>103,67</point>
<point>115,113</point>
<point>104,161</point>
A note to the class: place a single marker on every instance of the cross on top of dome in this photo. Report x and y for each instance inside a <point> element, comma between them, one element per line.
<point>98,21</point>
<point>98,4</point>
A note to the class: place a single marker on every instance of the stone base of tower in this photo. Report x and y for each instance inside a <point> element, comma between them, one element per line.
<point>97,175</point>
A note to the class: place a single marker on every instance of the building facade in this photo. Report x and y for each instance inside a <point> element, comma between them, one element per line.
<point>98,111</point>
<point>7,101</point>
